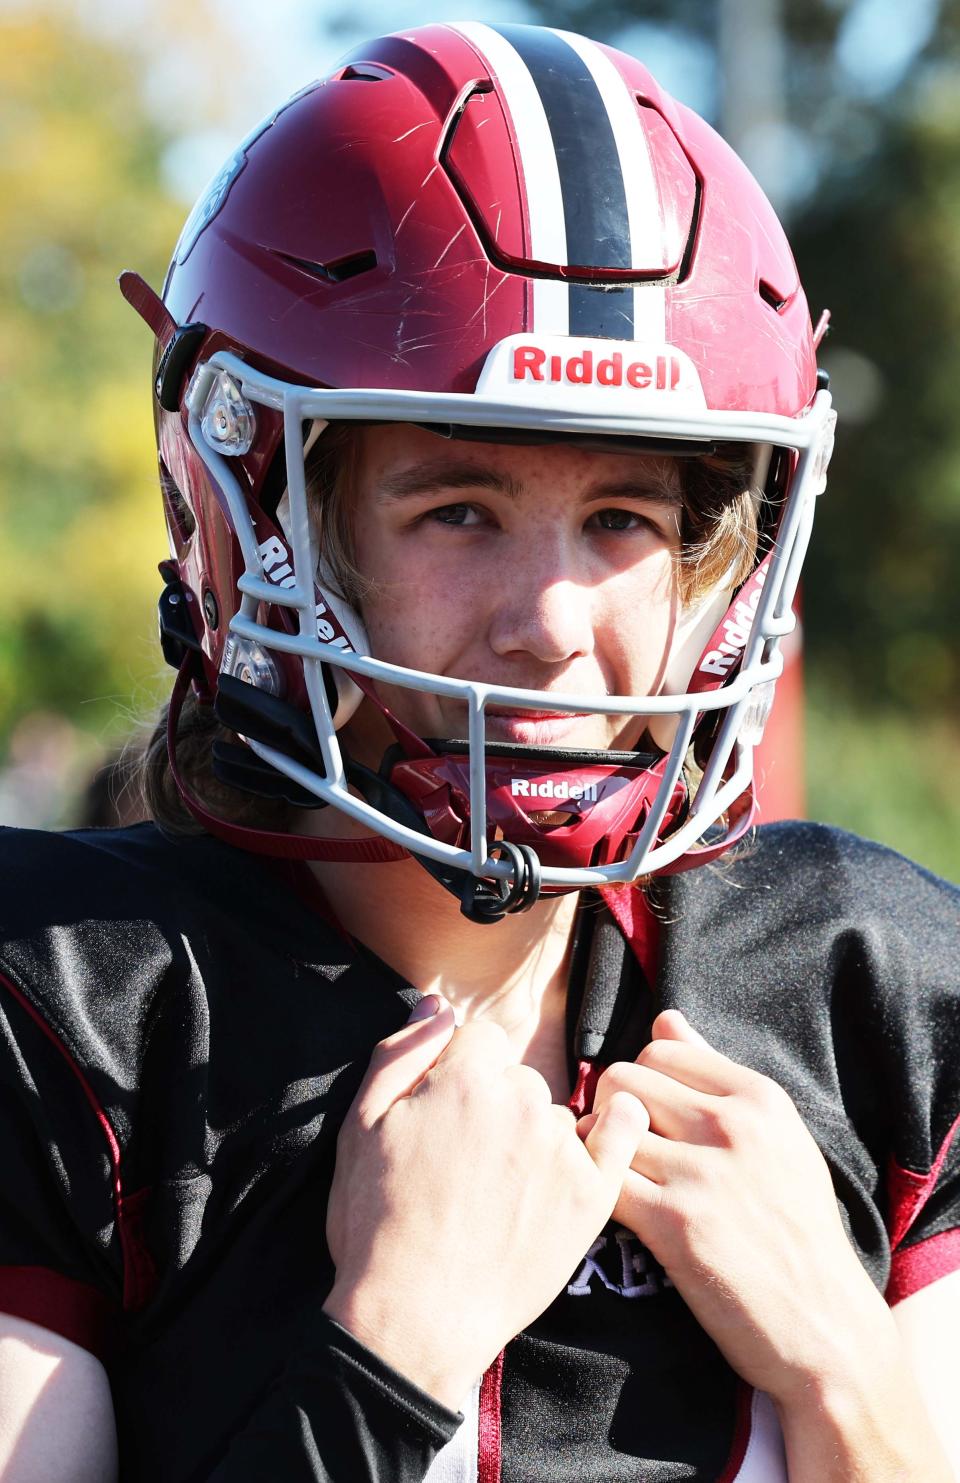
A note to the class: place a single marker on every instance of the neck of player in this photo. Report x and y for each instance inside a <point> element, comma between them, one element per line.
<point>513,972</point>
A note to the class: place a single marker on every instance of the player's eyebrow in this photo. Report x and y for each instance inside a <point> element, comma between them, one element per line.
<point>655,490</point>
<point>434,475</point>
<point>437,474</point>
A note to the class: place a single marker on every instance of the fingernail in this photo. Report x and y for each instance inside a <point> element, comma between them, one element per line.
<point>424,1009</point>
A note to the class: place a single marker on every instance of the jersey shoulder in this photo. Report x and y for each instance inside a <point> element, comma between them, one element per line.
<point>106,933</point>
<point>813,905</point>
<point>139,877</point>
<point>832,872</point>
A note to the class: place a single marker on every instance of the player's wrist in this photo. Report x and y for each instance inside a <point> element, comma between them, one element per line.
<point>849,1366</point>
<point>868,1424</point>
<point>409,1344</point>
<point>848,1336</point>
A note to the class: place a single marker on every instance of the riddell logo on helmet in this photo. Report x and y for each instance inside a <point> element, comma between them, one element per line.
<point>278,567</point>
<point>736,627</point>
<point>527,788</point>
<point>661,373</point>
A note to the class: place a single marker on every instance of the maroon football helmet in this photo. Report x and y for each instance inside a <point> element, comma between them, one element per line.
<point>492,232</point>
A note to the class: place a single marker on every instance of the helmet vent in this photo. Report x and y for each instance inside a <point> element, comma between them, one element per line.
<point>687,258</point>
<point>364,72</point>
<point>770,296</point>
<point>336,272</point>
<point>181,515</point>
<point>352,267</point>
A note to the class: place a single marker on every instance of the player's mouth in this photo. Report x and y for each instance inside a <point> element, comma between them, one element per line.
<point>535,728</point>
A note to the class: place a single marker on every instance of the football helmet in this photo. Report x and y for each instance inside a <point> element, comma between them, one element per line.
<point>493,232</point>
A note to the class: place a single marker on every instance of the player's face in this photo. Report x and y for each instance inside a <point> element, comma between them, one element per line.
<point>547,568</point>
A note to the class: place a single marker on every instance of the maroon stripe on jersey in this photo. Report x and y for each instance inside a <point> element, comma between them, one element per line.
<point>489,1431</point>
<point>908,1191</point>
<point>581,1099</point>
<point>741,1434</point>
<point>915,1267</point>
<point>138,1267</point>
<point>72,1309</point>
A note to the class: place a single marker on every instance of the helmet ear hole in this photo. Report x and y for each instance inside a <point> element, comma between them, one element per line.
<point>274,485</point>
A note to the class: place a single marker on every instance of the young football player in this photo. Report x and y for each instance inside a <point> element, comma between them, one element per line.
<point>449,1084</point>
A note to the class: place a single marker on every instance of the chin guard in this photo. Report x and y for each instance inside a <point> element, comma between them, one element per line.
<point>569,809</point>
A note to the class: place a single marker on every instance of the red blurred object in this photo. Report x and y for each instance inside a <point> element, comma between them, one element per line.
<point>779,760</point>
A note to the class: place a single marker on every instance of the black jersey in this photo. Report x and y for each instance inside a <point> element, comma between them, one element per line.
<point>182,1030</point>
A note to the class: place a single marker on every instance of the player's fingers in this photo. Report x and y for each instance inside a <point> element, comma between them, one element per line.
<point>675,1110</point>
<point>655,1158</point>
<point>425,1008</point>
<point>639,1201</point>
<point>484,1045</point>
<point>695,1063</point>
<point>619,1126</point>
<point>401,1061</point>
<point>672,1024</point>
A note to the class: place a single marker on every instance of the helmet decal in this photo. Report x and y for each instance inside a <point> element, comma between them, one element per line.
<point>214,194</point>
<point>601,374</point>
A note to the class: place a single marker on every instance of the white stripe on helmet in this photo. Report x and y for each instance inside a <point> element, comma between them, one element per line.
<point>639,181</point>
<point>538,160</point>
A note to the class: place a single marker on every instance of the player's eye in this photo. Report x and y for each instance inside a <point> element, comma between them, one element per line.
<point>616,520</point>
<point>455,515</point>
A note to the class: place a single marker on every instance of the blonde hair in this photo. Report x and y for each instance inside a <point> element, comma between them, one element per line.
<point>719,525</point>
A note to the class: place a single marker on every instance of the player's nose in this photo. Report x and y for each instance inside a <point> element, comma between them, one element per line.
<point>544,608</point>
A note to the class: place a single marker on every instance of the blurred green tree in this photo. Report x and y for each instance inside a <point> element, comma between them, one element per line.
<point>81,196</point>
<point>881,245</point>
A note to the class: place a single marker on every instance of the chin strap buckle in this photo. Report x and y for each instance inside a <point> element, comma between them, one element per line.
<point>489,901</point>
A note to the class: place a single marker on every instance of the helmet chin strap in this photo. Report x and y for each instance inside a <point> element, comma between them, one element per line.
<point>278,844</point>
<point>480,900</point>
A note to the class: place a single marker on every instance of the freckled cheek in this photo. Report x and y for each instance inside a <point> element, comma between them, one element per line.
<point>634,626</point>
<point>399,638</point>
<point>424,623</point>
<point>412,626</point>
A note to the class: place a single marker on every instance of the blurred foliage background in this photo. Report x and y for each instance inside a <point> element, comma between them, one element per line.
<point>848,111</point>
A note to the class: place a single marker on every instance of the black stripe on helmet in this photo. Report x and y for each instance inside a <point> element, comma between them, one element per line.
<point>591,181</point>
<point>602,313</point>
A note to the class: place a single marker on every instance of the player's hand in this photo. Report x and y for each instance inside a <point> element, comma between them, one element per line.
<point>463,1199</point>
<point>731,1194</point>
